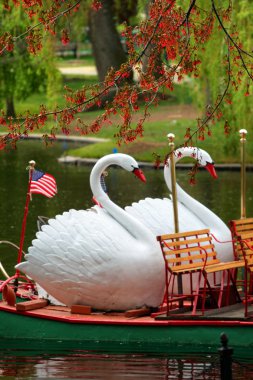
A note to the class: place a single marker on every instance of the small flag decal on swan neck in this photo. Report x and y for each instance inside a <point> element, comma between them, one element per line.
<point>43,183</point>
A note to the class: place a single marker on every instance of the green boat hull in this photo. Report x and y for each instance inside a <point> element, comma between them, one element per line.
<point>144,338</point>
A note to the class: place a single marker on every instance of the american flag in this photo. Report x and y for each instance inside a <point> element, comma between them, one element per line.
<point>43,183</point>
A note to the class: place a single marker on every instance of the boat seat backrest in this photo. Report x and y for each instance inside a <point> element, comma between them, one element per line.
<point>240,227</point>
<point>245,246</point>
<point>187,251</point>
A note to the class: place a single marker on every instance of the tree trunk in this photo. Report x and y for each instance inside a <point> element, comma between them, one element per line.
<point>107,48</point>
<point>10,109</point>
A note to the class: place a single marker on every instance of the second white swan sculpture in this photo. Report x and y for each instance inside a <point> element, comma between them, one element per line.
<point>157,214</point>
<point>102,257</point>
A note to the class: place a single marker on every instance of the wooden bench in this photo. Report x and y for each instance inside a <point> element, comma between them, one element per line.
<point>66,50</point>
<point>192,252</point>
<point>239,227</point>
<point>242,234</point>
<point>242,230</point>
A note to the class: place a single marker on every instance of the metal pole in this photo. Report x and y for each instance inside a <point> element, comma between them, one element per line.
<point>225,358</point>
<point>171,138</point>
<point>243,133</point>
<point>28,198</point>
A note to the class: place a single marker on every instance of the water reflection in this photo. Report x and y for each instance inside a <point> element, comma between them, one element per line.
<point>88,365</point>
<point>92,365</point>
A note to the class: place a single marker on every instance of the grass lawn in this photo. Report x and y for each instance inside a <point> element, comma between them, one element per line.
<point>172,115</point>
<point>85,61</point>
<point>155,141</point>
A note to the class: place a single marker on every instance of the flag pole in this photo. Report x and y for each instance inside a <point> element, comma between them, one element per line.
<point>243,133</point>
<point>28,198</point>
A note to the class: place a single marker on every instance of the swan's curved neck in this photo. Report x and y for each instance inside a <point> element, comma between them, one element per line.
<point>178,155</point>
<point>135,228</point>
<point>197,208</point>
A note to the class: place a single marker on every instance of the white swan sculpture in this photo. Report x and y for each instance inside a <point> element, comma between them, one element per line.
<point>102,257</point>
<point>157,214</point>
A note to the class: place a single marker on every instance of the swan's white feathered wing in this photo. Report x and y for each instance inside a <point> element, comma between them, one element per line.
<point>157,215</point>
<point>121,273</point>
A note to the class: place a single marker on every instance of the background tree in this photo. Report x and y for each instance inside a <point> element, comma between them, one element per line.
<point>177,31</point>
<point>106,45</point>
<point>235,112</point>
<point>22,73</point>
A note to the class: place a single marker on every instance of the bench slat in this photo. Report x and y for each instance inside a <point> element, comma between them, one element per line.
<point>176,243</point>
<point>182,234</point>
<point>179,251</point>
<point>190,258</point>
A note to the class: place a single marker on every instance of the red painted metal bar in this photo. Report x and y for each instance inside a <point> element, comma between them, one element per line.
<point>15,276</point>
<point>223,241</point>
<point>28,198</point>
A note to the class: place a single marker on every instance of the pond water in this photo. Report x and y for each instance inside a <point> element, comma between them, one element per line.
<point>222,196</point>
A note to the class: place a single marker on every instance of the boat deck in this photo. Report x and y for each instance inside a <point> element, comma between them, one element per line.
<point>229,313</point>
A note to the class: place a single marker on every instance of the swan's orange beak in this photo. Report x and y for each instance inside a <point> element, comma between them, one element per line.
<point>211,169</point>
<point>139,173</point>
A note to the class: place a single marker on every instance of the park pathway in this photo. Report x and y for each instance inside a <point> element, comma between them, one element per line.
<point>80,70</point>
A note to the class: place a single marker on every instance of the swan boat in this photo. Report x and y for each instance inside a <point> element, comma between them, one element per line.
<point>138,326</point>
<point>97,256</point>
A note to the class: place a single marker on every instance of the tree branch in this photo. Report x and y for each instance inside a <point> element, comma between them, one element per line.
<point>50,20</point>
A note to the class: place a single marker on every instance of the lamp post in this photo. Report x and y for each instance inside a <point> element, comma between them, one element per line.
<point>171,138</point>
<point>243,133</point>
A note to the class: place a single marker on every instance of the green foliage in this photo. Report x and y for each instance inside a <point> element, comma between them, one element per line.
<point>52,74</point>
<point>21,73</point>
<point>76,25</point>
<point>214,76</point>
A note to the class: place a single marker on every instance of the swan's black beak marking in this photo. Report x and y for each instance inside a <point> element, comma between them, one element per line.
<point>139,173</point>
<point>210,167</point>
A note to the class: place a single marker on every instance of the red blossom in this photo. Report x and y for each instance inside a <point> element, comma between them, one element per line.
<point>187,134</point>
<point>227,128</point>
<point>2,144</point>
<point>9,46</point>
<point>2,121</point>
<point>6,5</point>
<point>65,37</point>
<point>192,181</point>
<point>96,5</point>
<point>172,32</point>
<point>247,93</point>
<point>65,131</point>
